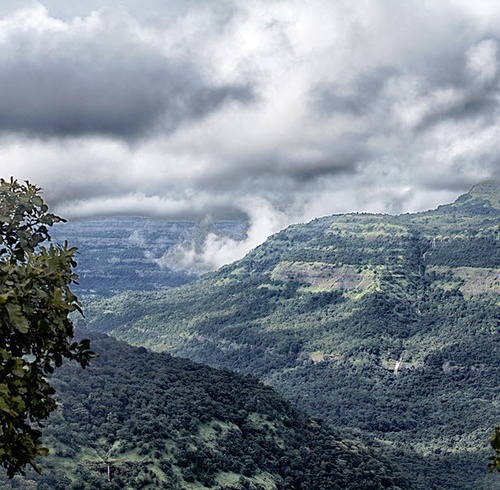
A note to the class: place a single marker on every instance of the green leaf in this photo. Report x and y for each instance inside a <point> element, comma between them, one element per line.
<point>16,317</point>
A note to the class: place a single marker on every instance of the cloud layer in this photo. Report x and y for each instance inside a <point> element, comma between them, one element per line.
<point>270,110</point>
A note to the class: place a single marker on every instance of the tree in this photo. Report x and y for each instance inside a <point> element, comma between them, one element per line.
<point>495,444</point>
<point>36,332</point>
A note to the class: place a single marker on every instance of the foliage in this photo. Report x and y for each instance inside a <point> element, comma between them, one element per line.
<point>495,444</point>
<point>161,422</point>
<point>35,329</point>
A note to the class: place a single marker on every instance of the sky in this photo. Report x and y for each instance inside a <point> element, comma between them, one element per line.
<point>272,111</point>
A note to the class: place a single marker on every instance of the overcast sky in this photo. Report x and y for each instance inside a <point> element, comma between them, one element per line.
<point>274,110</point>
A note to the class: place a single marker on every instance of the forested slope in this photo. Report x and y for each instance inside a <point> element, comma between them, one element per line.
<point>140,420</point>
<point>385,323</point>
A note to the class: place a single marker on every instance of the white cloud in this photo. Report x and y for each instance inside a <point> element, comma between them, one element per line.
<point>210,250</point>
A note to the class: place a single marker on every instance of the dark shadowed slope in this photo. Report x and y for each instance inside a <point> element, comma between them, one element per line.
<point>141,420</point>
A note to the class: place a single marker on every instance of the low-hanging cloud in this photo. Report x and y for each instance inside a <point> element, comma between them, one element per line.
<point>269,111</point>
<point>209,250</point>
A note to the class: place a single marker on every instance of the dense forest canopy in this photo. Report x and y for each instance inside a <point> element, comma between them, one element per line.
<point>141,420</point>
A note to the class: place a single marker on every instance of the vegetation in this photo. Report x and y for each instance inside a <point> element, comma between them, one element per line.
<point>36,333</point>
<point>388,324</point>
<point>140,420</point>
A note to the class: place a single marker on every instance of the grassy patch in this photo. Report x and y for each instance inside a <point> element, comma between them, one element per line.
<point>470,280</point>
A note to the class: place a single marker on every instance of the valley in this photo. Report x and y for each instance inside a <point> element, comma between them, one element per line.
<point>124,254</point>
<point>324,311</point>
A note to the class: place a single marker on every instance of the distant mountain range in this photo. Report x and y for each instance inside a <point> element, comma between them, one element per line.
<point>387,324</point>
<point>122,254</point>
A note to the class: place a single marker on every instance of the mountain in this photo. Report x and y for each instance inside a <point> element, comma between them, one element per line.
<point>389,324</point>
<point>140,420</point>
<point>118,254</point>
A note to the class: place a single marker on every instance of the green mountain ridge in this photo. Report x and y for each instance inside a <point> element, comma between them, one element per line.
<point>389,324</point>
<point>484,194</point>
<point>140,420</point>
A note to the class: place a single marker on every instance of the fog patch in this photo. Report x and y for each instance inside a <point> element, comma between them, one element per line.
<point>209,249</point>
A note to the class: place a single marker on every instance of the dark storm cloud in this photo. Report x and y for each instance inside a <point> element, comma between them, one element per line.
<point>104,81</point>
<point>121,96</point>
<point>203,101</point>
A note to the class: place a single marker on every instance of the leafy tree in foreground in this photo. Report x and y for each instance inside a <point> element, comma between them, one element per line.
<point>36,333</point>
<point>495,444</point>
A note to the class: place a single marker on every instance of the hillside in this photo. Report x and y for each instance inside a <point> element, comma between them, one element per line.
<point>389,324</point>
<point>139,420</point>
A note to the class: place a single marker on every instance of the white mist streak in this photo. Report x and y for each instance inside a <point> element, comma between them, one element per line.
<point>211,251</point>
